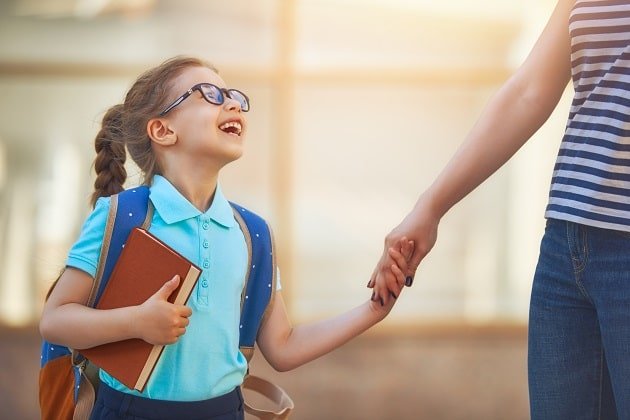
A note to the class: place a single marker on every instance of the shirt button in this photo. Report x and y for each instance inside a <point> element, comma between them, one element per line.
<point>206,244</point>
<point>205,225</point>
<point>204,283</point>
<point>206,264</point>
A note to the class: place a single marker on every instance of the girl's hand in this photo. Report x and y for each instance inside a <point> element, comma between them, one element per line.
<point>400,255</point>
<point>419,227</point>
<point>158,321</point>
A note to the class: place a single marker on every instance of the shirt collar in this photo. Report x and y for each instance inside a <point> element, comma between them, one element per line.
<point>173,207</point>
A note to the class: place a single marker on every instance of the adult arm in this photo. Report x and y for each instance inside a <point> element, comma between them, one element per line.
<point>513,115</point>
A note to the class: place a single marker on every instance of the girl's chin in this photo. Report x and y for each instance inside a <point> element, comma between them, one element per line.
<point>233,154</point>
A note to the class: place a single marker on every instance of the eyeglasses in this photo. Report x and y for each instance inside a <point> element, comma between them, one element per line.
<point>212,94</point>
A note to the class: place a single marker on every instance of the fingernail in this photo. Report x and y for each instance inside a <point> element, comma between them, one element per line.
<point>373,294</point>
<point>393,295</point>
<point>368,285</point>
<point>382,302</point>
<point>409,281</point>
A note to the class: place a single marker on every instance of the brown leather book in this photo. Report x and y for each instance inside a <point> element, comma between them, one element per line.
<point>144,265</point>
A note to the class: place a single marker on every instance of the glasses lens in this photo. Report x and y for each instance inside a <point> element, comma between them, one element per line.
<point>241,98</point>
<point>212,93</point>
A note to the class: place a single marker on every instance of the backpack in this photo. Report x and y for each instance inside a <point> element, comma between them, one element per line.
<point>67,380</point>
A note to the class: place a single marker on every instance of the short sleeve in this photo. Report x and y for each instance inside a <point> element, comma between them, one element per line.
<point>86,251</point>
<point>278,284</point>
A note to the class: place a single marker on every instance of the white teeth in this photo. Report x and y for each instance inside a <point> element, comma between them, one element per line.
<point>234,124</point>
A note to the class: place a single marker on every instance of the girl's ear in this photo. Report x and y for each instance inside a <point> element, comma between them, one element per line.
<point>160,132</point>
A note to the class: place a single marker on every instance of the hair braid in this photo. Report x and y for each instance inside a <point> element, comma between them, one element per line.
<point>109,163</point>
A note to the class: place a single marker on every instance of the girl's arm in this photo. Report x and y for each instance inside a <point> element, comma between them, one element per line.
<point>286,347</point>
<point>67,321</point>
<point>515,113</point>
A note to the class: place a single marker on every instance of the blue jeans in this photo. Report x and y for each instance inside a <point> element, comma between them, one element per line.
<point>579,325</point>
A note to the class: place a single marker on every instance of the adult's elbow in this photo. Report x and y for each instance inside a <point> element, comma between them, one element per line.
<point>536,94</point>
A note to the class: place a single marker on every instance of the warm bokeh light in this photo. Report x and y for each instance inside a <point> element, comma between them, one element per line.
<point>357,106</point>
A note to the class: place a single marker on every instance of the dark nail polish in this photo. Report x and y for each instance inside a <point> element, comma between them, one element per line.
<point>382,302</point>
<point>368,285</point>
<point>373,294</point>
<point>409,281</point>
<point>393,295</point>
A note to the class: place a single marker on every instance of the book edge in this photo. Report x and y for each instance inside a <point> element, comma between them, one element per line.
<point>187,285</point>
<point>156,351</point>
<point>181,298</point>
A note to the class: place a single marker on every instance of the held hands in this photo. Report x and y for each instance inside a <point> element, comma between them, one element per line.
<point>420,227</point>
<point>400,255</point>
<point>158,321</point>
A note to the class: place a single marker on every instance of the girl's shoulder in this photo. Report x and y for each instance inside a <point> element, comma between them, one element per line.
<point>101,209</point>
<point>95,222</point>
<point>84,253</point>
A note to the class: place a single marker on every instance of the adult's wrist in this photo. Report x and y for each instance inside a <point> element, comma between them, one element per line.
<point>430,205</point>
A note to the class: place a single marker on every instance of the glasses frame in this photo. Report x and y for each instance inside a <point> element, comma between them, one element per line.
<point>199,86</point>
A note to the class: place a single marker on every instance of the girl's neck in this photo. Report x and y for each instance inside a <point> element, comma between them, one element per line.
<point>198,187</point>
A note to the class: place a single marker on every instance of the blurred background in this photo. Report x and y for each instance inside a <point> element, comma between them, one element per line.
<point>356,106</point>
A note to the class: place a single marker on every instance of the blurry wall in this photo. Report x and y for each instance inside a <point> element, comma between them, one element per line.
<point>356,106</point>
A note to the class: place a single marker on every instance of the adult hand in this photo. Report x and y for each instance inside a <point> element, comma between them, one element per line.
<point>420,226</point>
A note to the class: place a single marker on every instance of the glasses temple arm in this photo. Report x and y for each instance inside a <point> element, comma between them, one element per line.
<point>177,102</point>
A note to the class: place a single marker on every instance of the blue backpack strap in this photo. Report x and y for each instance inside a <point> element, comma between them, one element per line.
<point>260,282</point>
<point>128,209</point>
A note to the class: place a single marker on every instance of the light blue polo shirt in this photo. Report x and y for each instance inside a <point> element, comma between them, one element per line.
<point>206,361</point>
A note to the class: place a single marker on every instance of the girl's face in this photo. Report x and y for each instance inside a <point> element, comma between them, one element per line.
<point>204,130</point>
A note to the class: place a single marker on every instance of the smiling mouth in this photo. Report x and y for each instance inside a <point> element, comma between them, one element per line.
<point>232,127</point>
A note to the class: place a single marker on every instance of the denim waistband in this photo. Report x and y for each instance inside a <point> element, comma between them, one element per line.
<point>131,405</point>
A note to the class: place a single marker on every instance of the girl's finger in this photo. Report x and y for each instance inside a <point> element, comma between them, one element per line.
<point>400,276</point>
<point>399,259</point>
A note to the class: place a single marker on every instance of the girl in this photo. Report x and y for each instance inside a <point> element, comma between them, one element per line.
<point>579,320</point>
<point>181,125</point>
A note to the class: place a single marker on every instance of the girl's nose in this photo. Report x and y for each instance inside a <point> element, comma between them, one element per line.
<point>232,104</point>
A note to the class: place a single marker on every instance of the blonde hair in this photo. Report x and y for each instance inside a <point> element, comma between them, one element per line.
<point>124,127</point>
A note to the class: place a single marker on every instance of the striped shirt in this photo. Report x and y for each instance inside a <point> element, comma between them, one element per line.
<point>591,178</point>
